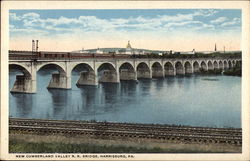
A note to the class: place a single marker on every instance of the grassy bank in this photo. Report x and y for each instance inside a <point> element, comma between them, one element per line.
<point>42,147</point>
<point>211,72</point>
<point>29,143</point>
<point>233,72</point>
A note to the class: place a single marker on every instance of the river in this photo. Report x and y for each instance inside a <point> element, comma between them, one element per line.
<point>195,100</point>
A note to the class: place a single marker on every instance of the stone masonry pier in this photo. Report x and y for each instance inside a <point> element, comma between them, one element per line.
<point>112,70</point>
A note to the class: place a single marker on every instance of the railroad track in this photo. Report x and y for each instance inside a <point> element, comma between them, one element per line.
<point>128,130</point>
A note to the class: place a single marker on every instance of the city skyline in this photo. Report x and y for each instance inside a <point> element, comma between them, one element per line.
<point>155,29</point>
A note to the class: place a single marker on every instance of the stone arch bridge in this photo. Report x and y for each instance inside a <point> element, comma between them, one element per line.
<point>110,70</point>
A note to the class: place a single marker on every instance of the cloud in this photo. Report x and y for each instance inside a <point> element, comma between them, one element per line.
<point>229,23</point>
<point>234,21</point>
<point>31,15</point>
<point>86,27</point>
<point>14,17</point>
<point>205,13</point>
<point>173,24</point>
<point>177,31</point>
<point>219,20</point>
<point>93,23</point>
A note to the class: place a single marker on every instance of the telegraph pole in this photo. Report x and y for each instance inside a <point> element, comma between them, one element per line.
<point>36,45</point>
<point>33,46</point>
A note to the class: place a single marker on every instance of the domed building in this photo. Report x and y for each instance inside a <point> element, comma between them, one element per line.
<point>129,49</point>
<point>126,50</point>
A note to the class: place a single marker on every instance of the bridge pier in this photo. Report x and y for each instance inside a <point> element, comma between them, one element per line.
<point>60,81</point>
<point>189,70</point>
<point>180,72</point>
<point>126,74</point>
<point>24,84</point>
<point>109,76</point>
<point>170,72</point>
<point>158,73</point>
<point>87,78</point>
<point>144,74</point>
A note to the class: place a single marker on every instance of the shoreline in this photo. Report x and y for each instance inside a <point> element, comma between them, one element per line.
<point>30,135</point>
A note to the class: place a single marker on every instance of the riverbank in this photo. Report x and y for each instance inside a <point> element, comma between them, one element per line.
<point>64,136</point>
<point>233,72</point>
<point>230,72</point>
<point>32,143</point>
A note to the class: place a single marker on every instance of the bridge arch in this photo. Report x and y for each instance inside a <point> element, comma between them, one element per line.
<point>196,66</point>
<point>127,71</point>
<point>225,64</point>
<point>143,70</point>
<point>60,80</point>
<point>203,66</point>
<point>81,66</point>
<point>19,67</point>
<point>234,63</point>
<point>188,67</point>
<point>238,61</point>
<point>220,64</point>
<point>60,68</point>
<point>210,65</point>
<point>179,68</point>
<point>216,65</point>
<point>25,82</point>
<point>107,73</point>
<point>169,68</point>
<point>230,64</point>
<point>157,70</point>
<point>86,72</point>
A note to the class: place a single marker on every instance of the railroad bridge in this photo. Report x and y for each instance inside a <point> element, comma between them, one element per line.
<point>112,69</point>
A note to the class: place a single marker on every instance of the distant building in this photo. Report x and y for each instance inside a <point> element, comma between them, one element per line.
<point>99,51</point>
<point>129,49</point>
<point>193,52</point>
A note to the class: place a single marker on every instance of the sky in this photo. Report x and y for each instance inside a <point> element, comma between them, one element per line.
<point>156,29</point>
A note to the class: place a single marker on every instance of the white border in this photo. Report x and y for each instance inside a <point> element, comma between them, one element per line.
<point>244,5</point>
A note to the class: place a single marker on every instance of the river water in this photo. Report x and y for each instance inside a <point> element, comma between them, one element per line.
<point>195,100</point>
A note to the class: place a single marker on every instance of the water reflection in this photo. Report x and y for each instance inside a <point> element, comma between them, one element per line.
<point>180,79</point>
<point>127,93</point>
<point>59,99</point>
<point>128,88</point>
<point>145,85</point>
<point>88,98</point>
<point>109,93</point>
<point>159,83</point>
<point>170,80</point>
<point>24,103</point>
<point>172,100</point>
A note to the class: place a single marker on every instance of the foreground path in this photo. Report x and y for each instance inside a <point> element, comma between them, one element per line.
<point>182,134</point>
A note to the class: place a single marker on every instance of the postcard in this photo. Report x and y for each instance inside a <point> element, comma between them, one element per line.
<point>125,80</point>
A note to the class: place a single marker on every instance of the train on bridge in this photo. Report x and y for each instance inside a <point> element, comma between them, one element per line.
<point>15,54</point>
<point>36,55</point>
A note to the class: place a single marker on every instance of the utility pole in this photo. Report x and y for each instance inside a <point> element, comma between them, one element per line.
<point>36,45</point>
<point>33,46</point>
